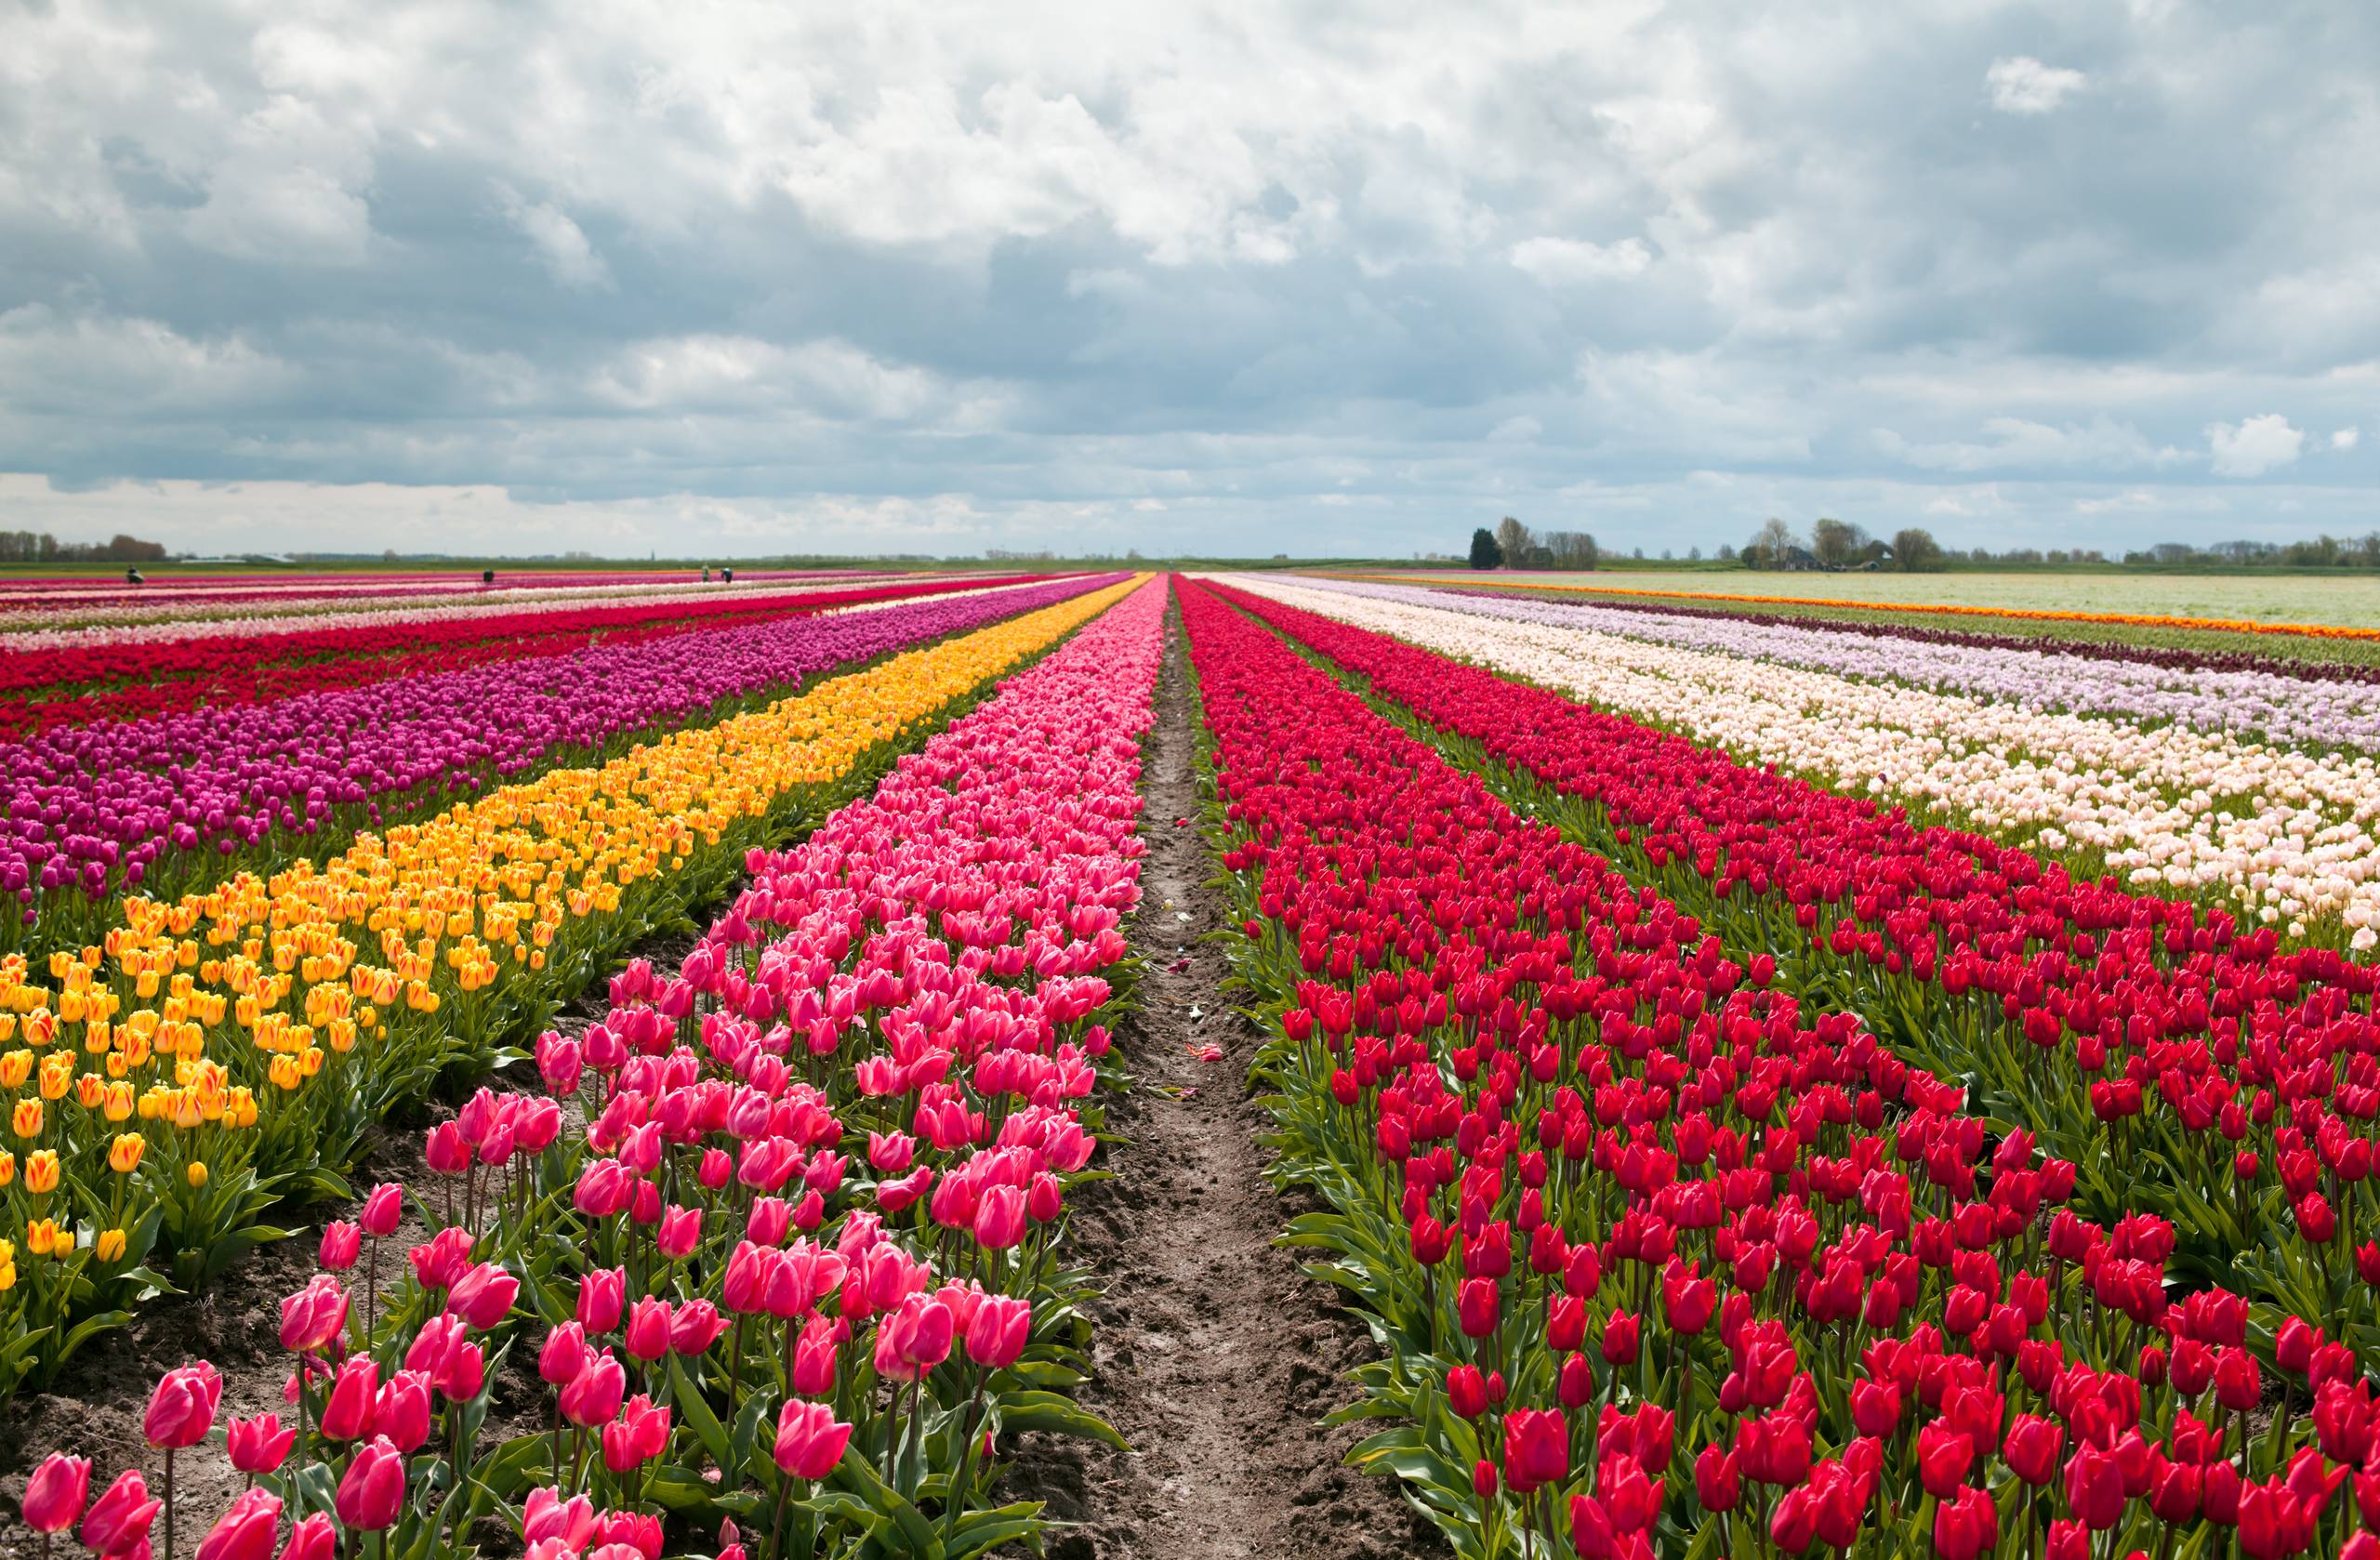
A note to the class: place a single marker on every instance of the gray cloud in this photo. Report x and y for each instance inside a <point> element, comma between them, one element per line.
<point>934,278</point>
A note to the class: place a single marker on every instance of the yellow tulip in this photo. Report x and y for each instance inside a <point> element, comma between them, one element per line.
<point>8,1166</point>
<point>41,1171</point>
<point>57,1075</point>
<point>14,1067</point>
<point>26,1120</point>
<point>124,1153</point>
<point>109,1246</point>
<point>41,1234</point>
<point>196,1174</point>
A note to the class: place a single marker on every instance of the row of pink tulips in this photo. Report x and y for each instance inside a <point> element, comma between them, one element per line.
<point>798,1269</point>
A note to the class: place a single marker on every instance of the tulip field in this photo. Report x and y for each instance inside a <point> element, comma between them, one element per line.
<point>1761,1085</point>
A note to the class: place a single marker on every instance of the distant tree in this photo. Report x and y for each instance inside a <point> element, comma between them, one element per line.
<point>1771,545</point>
<point>1726,553</point>
<point>1915,551</point>
<point>1694,555</point>
<point>1668,556</point>
<point>1485,553</point>
<point>1513,540</point>
<point>1835,543</point>
<point>1573,549</point>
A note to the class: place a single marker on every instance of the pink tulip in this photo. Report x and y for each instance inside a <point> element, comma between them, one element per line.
<point>817,1357</point>
<point>346,1412</point>
<point>547,1516</point>
<point>995,1334</point>
<point>482,1295</point>
<point>593,1397</point>
<point>118,1521</point>
<point>245,1530</point>
<point>446,1151</point>
<point>182,1409</point>
<point>314,1315</point>
<point>999,1218</point>
<point>382,1210</point>
<point>401,1412</point>
<point>342,1243</point>
<point>911,1340</point>
<point>696,1327</point>
<point>647,1338</point>
<point>680,1232</point>
<point>373,1492</point>
<point>314,1537</point>
<point>810,1440</point>
<point>601,1296</point>
<point>259,1445</point>
<point>54,1496</point>
<point>565,1354</point>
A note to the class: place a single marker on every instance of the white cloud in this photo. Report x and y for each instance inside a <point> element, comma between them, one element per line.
<point>1557,262</point>
<point>2256,446</point>
<point>2014,442</point>
<point>2345,438</point>
<point>2021,83</point>
<point>560,243</point>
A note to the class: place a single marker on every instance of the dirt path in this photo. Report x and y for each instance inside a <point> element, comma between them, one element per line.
<point>1216,1357</point>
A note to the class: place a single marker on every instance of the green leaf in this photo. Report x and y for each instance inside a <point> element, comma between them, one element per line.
<point>1061,1415</point>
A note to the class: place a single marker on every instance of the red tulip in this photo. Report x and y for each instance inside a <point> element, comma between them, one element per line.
<point>2033,1447</point>
<point>1466,1393</point>
<point>1619,1338</point>
<point>1536,1450</point>
<point>2093,1489</point>
<point>1965,1525</point>
<point>1716,1483</point>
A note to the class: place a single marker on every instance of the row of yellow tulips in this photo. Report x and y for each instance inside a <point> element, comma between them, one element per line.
<point>224,1051</point>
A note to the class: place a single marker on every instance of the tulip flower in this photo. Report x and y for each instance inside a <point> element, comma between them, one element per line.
<point>546,1516</point>
<point>54,1494</point>
<point>810,1440</point>
<point>342,1243</point>
<point>247,1530</point>
<point>314,1315</point>
<point>118,1521</point>
<point>593,1395</point>
<point>1536,1450</point>
<point>347,1411</point>
<point>382,1210</point>
<point>602,1294</point>
<point>181,1410</point>
<point>996,1333</point>
<point>311,1538</point>
<point>259,1445</point>
<point>371,1492</point>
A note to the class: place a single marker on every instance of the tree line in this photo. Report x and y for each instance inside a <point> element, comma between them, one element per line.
<point>40,547</point>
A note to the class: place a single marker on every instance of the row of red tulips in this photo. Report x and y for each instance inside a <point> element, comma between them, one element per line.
<point>799,1268</point>
<point>146,678</point>
<point>1664,1258</point>
<point>2190,1068</point>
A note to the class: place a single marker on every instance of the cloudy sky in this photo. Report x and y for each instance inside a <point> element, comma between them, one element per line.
<point>1305,274</point>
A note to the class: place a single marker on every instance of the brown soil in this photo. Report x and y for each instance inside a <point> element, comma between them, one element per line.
<point>1215,1357</point>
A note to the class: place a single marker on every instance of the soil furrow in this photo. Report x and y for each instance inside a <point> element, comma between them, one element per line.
<point>1215,1357</point>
